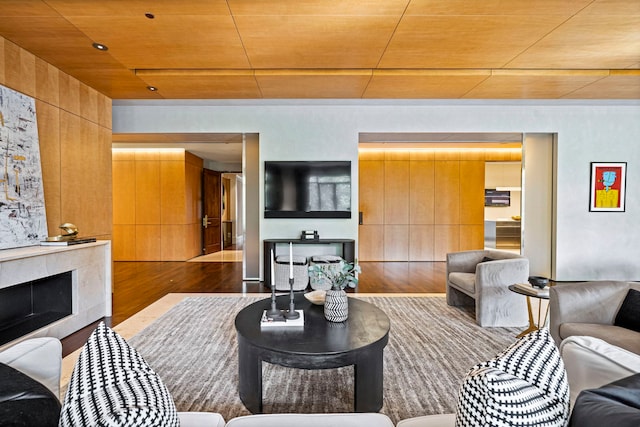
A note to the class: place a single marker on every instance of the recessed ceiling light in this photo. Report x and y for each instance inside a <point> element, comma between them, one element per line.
<point>100,46</point>
<point>152,88</point>
<point>149,15</point>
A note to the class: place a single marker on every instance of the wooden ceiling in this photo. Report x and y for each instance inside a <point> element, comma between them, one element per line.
<point>432,49</point>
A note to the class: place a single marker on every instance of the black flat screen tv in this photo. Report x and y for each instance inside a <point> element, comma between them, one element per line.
<point>307,189</point>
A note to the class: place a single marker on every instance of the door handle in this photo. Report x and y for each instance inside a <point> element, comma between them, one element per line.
<point>205,221</point>
<point>360,217</point>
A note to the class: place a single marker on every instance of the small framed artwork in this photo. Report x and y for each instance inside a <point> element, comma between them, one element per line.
<point>608,187</point>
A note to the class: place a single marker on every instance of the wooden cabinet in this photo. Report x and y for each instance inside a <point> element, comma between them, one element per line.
<point>420,205</point>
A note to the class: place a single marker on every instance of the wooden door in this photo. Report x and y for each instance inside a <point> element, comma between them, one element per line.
<point>211,212</point>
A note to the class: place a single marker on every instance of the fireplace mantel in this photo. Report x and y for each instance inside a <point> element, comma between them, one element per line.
<point>90,267</point>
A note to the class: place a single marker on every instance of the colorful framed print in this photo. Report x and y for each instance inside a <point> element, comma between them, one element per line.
<point>608,187</point>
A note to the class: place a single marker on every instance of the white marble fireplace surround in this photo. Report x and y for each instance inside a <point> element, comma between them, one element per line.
<point>90,264</point>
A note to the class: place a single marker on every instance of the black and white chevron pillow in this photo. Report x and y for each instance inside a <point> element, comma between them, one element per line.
<point>525,385</point>
<point>112,385</point>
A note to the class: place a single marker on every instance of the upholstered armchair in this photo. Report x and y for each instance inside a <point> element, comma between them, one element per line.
<point>590,309</point>
<point>482,278</point>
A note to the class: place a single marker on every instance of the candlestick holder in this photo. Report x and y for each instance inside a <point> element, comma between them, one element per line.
<point>291,313</point>
<point>273,313</point>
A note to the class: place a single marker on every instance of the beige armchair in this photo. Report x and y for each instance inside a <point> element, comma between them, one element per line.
<point>470,281</point>
<point>590,309</point>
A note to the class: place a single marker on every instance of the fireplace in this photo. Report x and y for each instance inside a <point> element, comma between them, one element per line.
<point>27,307</point>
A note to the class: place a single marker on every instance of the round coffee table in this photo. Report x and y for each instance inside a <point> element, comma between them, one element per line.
<point>320,344</point>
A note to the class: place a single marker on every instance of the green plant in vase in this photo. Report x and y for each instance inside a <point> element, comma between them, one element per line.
<point>336,304</point>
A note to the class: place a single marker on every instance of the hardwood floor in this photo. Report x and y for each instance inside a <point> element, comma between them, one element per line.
<point>139,284</point>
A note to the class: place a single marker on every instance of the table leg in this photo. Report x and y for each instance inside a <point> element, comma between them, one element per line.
<point>369,381</point>
<point>250,377</point>
<point>532,325</point>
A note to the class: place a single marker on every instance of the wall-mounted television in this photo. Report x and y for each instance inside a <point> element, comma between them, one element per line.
<point>307,189</point>
<point>493,197</point>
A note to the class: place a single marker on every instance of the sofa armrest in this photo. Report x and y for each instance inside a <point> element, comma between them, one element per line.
<point>200,419</point>
<point>591,363</point>
<point>501,273</point>
<point>39,358</point>
<point>440,420</point>
<point>464,262</point>
<point>589,302</point>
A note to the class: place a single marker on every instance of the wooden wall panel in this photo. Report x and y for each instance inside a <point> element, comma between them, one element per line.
<point>472,192</point>
<point>193,193</point>
<point>174,242</point>
<point>396,192</point>
<point>88,99</point>
<point>19,69</point>
<point>104,111</point>
<point>371,242</point>
<point>371,195</point>
<point>447,192</point>
<point>69,93</point>
<point>172,192</point>
<point>2,62</point>
<point>148,242</point>
<point>447,240</point>
<point>422,192</point>
<point>124,192</point>
<point>471,237</point>
<point>396,242</point>
<point>421,242</point>
<point>47,82</point>
<point>124,242</point>
<point>49,140</point>
<point>147,192</point>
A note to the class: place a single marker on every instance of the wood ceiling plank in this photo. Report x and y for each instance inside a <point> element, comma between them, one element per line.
<point>620,84</point>
<point>312,84</point>
<point>613,7</point>
<point>318,7</point>
<point>138,42</point>
<point>315,41</point>
<point>464,41</point>
<point>548,84</point>
<point>586,41</point>
<point>496,7</point>
<point>139,7</point>
<point>432,84</point>
<point>16,8</point>
<point>205,87</point>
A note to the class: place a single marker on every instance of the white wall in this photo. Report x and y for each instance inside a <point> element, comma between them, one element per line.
<point>589,245</point>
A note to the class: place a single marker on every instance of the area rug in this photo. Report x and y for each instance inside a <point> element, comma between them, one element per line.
<point>193,348</point>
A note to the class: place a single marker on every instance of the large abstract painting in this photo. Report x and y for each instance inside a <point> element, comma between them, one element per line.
<point>22,214</point>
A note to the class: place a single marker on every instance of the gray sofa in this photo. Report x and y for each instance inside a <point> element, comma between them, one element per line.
<point>470,281</point>
<point>590,309</point>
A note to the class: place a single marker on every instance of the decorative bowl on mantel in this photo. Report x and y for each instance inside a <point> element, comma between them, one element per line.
<point>316,297</point>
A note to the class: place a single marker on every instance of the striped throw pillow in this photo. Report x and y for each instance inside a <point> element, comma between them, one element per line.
<point>112,385</point>
<point>525,385</point>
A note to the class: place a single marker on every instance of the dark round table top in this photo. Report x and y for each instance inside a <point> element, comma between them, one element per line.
<point>367,325</point>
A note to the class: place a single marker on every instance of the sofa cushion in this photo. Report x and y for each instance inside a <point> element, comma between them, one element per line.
<point>112,385</point>
<point>616,404</point>
<point>526,385</point>
<point>312,420</point>
<point>25,401</point>
<point>464,281</point>
<point>628,315</point>
<point>615,335</point>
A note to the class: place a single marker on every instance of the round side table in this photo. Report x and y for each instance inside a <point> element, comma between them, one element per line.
<point>533,326</point>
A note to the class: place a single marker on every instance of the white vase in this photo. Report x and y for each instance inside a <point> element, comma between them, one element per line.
<point>336,306</point>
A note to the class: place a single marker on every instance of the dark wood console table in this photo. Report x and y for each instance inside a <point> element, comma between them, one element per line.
<point>348,251</point>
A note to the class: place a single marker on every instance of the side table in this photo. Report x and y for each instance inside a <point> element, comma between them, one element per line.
<point>533,326</point>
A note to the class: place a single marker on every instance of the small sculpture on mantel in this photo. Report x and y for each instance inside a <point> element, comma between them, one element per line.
<point>70,233</point>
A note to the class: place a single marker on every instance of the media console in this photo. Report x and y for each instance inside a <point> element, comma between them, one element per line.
<point>348,250</point>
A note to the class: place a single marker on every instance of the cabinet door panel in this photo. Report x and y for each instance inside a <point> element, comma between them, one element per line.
<point>471,237</point>
<point>396,242</point>
<point>447,239</point>
<point>371,243</point>
<point>371,187</point>
<point>472,192</point>
<point>421,242</point>
<point>421,192</point>
<point>396,194</point>
<point>447,192</point>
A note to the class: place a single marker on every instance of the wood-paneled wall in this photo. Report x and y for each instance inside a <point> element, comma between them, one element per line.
<point>74,129</point>
<point>419,205</point>
<point>156,205</point>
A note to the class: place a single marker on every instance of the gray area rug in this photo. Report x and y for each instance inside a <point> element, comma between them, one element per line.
<point>193,348</point>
